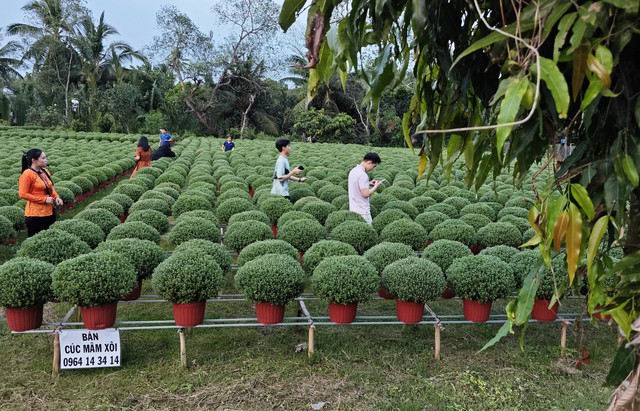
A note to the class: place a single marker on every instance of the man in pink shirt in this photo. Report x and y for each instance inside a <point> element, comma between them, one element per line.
<point>360,188</point>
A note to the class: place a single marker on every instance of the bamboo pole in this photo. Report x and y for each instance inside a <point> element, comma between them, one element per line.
<point>436,355</point>
<point>563,338</point>
<point>311,345</point>
<point>183,349</point>
<point>55,370</point>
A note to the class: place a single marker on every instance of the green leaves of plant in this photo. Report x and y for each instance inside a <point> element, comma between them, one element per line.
<point>623,364</point>
<point>556,83</point>
<point>290,8</point>
<point>509,109</point>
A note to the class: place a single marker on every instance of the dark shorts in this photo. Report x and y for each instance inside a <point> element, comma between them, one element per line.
<point>37,224</point>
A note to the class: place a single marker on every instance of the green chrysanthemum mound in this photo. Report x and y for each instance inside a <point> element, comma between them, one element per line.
<point>481,278</point>
<point>53,246</point>
<point>514,211</point>
<point>207,215</point>
<point>215,250</point>
<point>345,279</point>
<point>522,223</point>
<point>15,215</point>
<point>421,203</point>
<point>503,252</point>
<point>190,202</point>
<point>25,282</point>
<point>157,195</point>
<point>499,234</point>
<point>356,233</point>
<point>522,263</point>
<point>302,234</point>
<point>124,200</point>
<point>550,281</point>
<point>85,230</point>
<point>151,204</point>
<point>260,248</point>
<point>405,232</point>
<point>413,279</point>
<point>6,229</point>
<point>274,207</point>
<point>319,209</point>
<point>192,228</point>
<point>447,209</point>
<point>477,221</point>
<point>294,215</point>
<point>233,206</point>
<point>429,219</point>
<point>109,205</point>
<point>338,217</point>
<point>143,255</point>
<point>323,249</point>
<point>454,230</point>
<point>133,191</point>
<point>241,234</point>
<point>386,217</point>
<point>186,277</point>
<point>153,218</point>
<point>102,218</point>
<point>383,254</point>
<point>407,208</point>
<point>65,195</point>
<point>253,215</point>
<point>445,252</point>
<point>271,278</point>
<point>93,279</point>
<point>135,229</point>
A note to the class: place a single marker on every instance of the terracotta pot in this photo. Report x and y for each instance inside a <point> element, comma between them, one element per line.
<point>477,312</point>
<point>251,191</point>
<point>189,314</point>
<point>123,217</point>
<point>268,313</point>
<point>24,319</point>
<point>382,292</point>
<point>135,293</point>
<point>448,293</point>
<point>274,228</point>
<point>475,249</point>
<point>300,258</point>
<point>409,312</point>
<point>542,313</point>
<point>10,241</point>
<point>342,313</point>
<point>99,317</point>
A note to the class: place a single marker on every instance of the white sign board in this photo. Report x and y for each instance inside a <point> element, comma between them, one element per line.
<point>89,349</point>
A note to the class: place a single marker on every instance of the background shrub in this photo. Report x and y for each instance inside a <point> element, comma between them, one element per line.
<point>345,279</point>
<point>241,234</point>
<point>274,207</point>
<point>358,234</point>
<point>499,234</point>
<point>143,255</point>
<point>193,228</point>
<point>25,282</point>
<point>252,215</point>
<point>153,218</point>
<point>132,191</point>
<point>413,279</point>
<point>503,252</point>
<point>85,230</point>
<point>429,219</point>
<point>53,246</point>
<point>260,248</point>
<point>135,229</point>
<point>187,276</point>
<point>151,204</point>
<point>272,278</point>
<point>480,278</point>
<point>6,229</point>
<point>323,249</point>
<point>454,230</point>
<point>233,206</point>
<point>405,232</point>
<point>101,217</point>
<point>445,252</point>
<point>385,253</point>
<point>109,205</point>
<point>302,234</point>
<point>388,216</point>
<point>294,215</point>
<point>319,209</point>
<point>215,250</point>
<point>188,202</point>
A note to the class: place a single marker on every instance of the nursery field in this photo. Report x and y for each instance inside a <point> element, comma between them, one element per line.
<point>205,224</point>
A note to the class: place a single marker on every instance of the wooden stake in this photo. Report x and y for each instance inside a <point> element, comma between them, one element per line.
<point>311,346</point>
<point>436,356</point>
<point>183,349</point>
<point>55,370</point>
<point>563,338</point>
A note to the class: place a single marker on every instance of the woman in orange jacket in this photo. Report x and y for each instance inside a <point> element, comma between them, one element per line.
<point>35,186</point>
<point>142,156</point>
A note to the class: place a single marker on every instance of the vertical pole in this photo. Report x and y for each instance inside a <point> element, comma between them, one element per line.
<point>55,370</point>
<point>563,338</point>
<point>436,355</point>
<point>311,345</point>
<point>183,349</point>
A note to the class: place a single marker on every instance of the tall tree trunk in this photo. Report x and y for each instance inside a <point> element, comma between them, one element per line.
<point>245,115</point>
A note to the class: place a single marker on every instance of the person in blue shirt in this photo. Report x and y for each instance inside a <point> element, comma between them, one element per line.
<point>282,175</point>
<point>228,145</point>
<point>165,138</point>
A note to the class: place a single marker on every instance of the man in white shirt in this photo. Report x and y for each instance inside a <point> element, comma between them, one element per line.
<point>360,188</point>
<point>282,175</point>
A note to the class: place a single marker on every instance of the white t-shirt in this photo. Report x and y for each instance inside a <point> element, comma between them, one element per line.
<point>282,168</point>
<point>358,179</point>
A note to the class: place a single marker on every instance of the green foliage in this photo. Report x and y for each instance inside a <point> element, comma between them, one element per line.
<point>385,253</point>
<point>429,219</point>
<point>153,194</point>
<point>260,248</point>
<point>186,277</point>
<point>233,206</point>
<point>151,204</point>
<point>503,252</point>
<point>215,250</point>
<point>186,203</point>
<point>25,282</point>
<point>101,217</point>
<point>407,208</point>
<point>454,230</point>
<point>346,279</point>
<point>323,249</point>
<point>338,217</point>
<point>356,233</point>
<point>317,125</point>
<point>498,234</point>
<point>53,246</point>
<point>421,203</point>
<point>405,232</point>
<point>65,194</point>
<point>272,278</point>
<point>85,230</point>
<point>154,218</point>
<point>207,215</point>
<point>241,234</point>
<point>113,207</point>
<point>514,211</point>
<point>294,215</point>
<point>133,191</point>
<point>193,228</point>
<point>477,221</point>
<point>93,279</point>
<point>413,279</point>
<point>252,215</point>
<point>319,209</point>
<point>6,229</point>
<point>135,229</point>
<point>458,202</point>
<point>445,252</point>
<point>481,278</point>
<point>302,234</point>
<point>274,207</point>
<point>522,223</point>
<point>124,200</point>
<point>143,255</point>
<point>447,209</point>
<point>329,193</point>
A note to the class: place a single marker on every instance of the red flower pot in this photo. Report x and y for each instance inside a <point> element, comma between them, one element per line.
<point>448,293</point>
<point>10,241</point>
<point>24,319</point>
<point>342,313</point>
<point>385,294</point>
<point>99,317</point>
<point>477,312</point>
<point>268,313</point>
<point>274,228</point>
<point>300,258</point>
<point>542,313</point>
<point>251,191</point>
<point>475,249</point>
<point>600,316</point>
<point>135,293</point>
<point>409,312</point>
<point>123,217</point>
<point>189,314</point>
